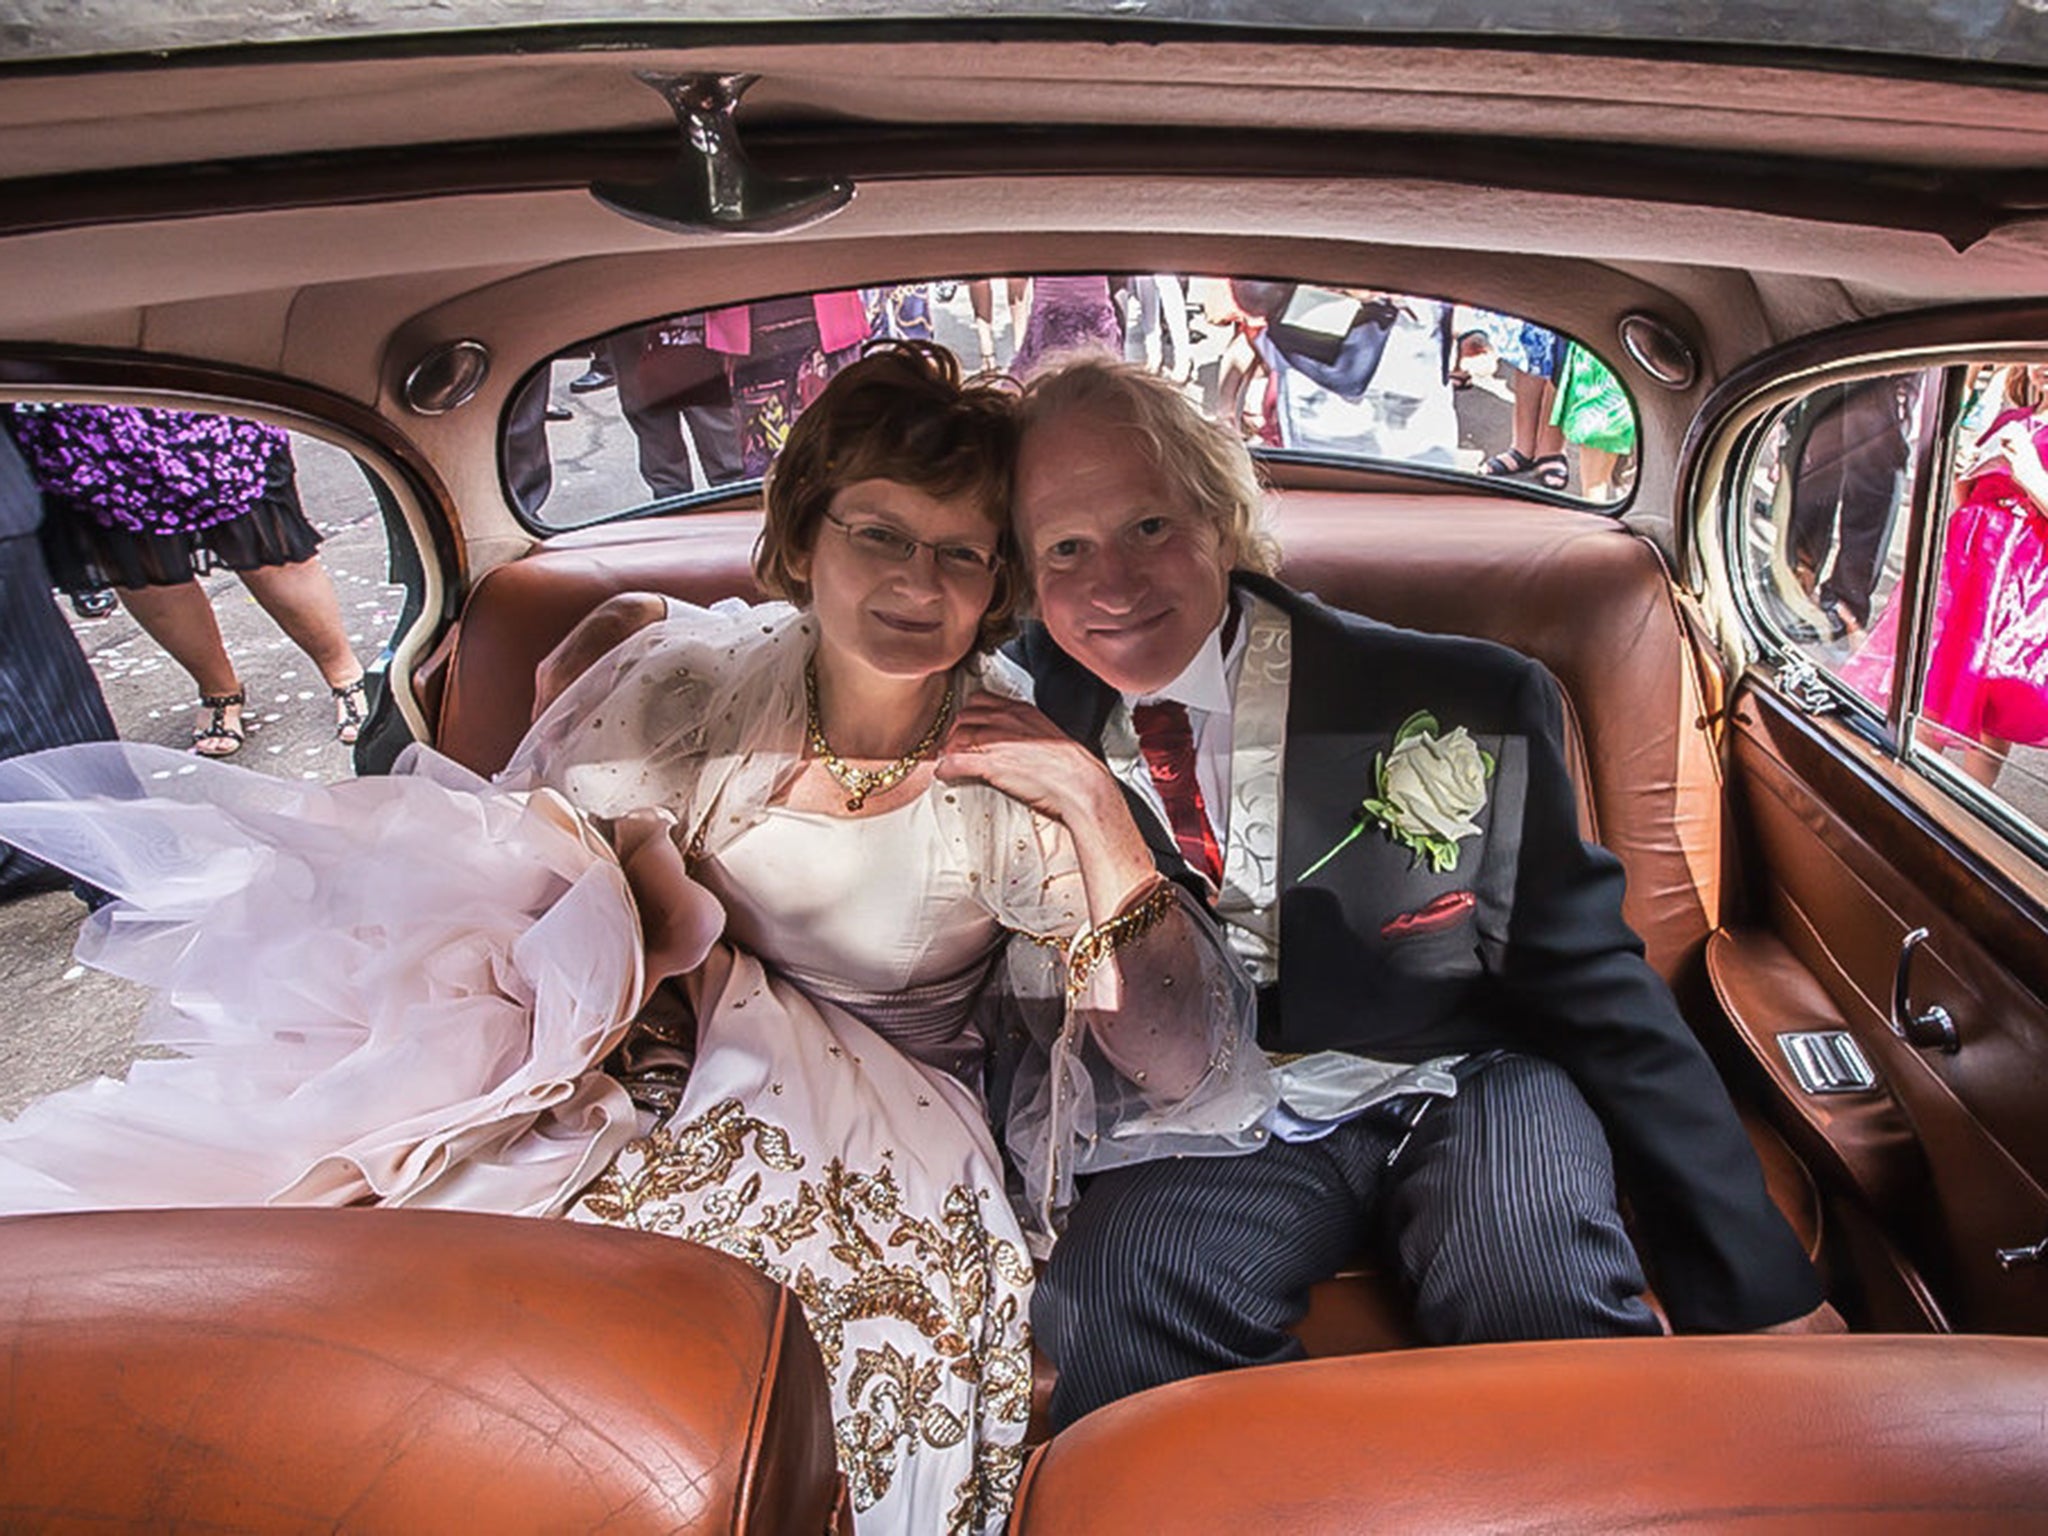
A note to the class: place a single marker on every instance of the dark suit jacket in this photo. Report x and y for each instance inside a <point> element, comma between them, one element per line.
<point>1542,962</point>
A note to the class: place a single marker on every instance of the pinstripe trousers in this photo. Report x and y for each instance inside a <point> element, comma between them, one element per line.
<point>49,696</point>
<point>1497,1207</point>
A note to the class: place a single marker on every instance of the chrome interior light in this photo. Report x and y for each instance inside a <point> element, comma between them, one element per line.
<point>448,375</point>
<point>1659,350</point>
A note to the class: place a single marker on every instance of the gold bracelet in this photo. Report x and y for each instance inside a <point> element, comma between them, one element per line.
<point>1091,946</point>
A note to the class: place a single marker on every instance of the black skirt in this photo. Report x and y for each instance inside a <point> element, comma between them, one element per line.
<point>83,556</point>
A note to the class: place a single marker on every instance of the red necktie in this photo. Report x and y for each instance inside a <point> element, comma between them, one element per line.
<point>1168,742</point>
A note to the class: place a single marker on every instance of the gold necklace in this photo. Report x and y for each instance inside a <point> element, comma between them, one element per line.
<point>859,783</point>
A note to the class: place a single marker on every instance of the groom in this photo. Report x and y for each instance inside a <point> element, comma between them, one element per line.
<point>1462,1022</point>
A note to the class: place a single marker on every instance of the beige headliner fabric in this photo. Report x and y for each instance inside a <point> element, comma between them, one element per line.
<point>347,297</point>
<point>62,121</point>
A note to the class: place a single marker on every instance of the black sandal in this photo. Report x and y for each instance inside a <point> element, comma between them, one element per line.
<point>1552,472</point>
<point>218,729</point>
<point>354,699</point>
<point>1513,462</point>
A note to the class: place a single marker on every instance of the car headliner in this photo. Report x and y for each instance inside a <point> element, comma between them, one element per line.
<point>326,212</point>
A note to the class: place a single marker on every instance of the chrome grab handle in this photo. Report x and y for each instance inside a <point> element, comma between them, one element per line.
<point>1931,1030</point>
<point>2031,1253</point>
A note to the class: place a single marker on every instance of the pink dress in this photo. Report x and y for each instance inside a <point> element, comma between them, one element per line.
<point>1987,670</point>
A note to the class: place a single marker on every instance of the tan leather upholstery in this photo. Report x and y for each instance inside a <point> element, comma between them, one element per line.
<point>1866,1432</point>
<point>519,612</point>
<point>1574,590</point>
<point>400,1371</point>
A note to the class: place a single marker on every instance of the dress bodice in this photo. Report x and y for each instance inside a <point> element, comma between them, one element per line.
<point>879,914</point>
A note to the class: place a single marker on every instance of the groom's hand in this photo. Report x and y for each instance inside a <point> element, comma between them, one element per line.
<point>616,619</point>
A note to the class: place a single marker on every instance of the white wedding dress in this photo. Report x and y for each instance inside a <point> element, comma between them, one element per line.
<point>829,1136</point>
<point>403,990</point>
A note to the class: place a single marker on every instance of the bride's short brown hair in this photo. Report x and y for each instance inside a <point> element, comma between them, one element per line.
<point>903,412</point>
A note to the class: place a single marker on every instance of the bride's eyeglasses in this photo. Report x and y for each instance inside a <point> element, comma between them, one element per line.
<point>880,542</point>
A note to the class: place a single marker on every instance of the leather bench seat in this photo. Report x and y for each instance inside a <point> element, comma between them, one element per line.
<point>401,1371</point>
<point>1863,1432</point>
<point>1575,590</point>
<point>1572,589</point>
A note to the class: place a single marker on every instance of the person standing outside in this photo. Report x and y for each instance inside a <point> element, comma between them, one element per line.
<point>49,696</point>
<point>146,500</point>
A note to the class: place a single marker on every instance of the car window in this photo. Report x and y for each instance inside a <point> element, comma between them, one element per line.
<point>656,415</point>
<point>226,583</point>
<point>1983,679</point>
<point>1944,659</point>
<point>1822,539</point>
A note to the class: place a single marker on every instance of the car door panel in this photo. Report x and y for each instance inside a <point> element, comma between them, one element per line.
<point>1839,870</point>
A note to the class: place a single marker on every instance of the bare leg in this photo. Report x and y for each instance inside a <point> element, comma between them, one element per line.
<point>301,598</point>
<point>1528,411</point>
<point>1233,380</point>
<point>981,295</point>
<point>180,619</point>
<point>1983,762</point>
<point>1596,473</point>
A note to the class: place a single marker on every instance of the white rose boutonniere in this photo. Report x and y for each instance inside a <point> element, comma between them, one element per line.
<point>1425,793</point>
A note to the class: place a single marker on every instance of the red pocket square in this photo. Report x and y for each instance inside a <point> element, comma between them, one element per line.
<point>1447,910</point>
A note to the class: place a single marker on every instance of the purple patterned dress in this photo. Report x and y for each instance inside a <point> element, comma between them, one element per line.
<point>144,496</point>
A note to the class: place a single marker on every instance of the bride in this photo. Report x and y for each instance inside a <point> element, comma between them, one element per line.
<point>897,901</point>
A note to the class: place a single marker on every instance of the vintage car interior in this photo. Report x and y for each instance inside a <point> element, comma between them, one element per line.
<point>1810,249</point>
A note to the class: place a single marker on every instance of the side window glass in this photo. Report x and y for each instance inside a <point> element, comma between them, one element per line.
<point>1822,530</point>
<point>1983,692</point>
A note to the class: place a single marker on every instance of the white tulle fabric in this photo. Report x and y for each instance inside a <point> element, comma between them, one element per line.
<point>392,989</point>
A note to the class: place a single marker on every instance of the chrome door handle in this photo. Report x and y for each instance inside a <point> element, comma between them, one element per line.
<point>1933,1029</point>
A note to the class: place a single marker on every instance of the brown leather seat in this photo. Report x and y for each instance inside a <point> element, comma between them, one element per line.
<point>520,611</point>
<point>1865,1432</point>
<point>1574,590</point>
<point>400,1371</point>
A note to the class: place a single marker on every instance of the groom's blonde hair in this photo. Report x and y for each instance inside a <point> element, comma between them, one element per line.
<point>1201,458</point>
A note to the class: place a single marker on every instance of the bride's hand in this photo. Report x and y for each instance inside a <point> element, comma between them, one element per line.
<point>1010,746</point>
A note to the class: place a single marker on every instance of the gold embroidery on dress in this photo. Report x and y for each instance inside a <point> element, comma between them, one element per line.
<point>949,1278</point>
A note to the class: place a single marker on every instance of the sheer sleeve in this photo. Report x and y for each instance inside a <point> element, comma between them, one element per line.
<point>700,715</point>
<point>1118,1043</point>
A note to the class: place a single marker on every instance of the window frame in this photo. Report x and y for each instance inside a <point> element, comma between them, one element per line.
<point>1722,455</point>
